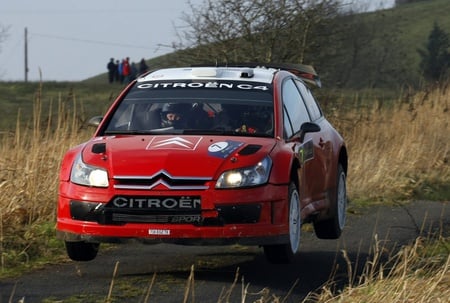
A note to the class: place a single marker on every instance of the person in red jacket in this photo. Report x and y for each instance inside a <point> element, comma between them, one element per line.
<point>126,70</point>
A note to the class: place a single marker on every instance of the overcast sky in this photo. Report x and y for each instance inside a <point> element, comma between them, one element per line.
<point>72,40</point>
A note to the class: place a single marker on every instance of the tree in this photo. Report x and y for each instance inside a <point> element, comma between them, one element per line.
<point>370,54</point>
<point>435,57</point>
<point>347,48</point>
<point>257,30</point>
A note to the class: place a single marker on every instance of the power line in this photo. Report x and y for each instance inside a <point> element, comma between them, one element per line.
<point>84,11</point>
<point>91,41</point>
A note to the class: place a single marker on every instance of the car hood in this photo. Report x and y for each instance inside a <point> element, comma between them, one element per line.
<point>187,156</point>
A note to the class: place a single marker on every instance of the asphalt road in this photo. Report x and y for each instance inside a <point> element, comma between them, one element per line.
<point>215,268</point>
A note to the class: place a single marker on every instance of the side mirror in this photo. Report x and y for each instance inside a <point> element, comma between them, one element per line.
<point>308,127</point>
<point>95,121</point>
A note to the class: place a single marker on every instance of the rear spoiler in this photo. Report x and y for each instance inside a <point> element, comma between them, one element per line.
<point>306,72</point>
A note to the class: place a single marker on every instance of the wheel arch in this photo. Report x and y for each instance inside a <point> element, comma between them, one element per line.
<point>293,175</point>
<point>343,158</point>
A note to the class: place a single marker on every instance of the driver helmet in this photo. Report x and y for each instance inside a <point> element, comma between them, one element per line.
<point>172,114</point>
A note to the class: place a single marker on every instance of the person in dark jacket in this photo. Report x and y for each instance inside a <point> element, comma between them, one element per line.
<point>143,67</point>
<point>111,66</point>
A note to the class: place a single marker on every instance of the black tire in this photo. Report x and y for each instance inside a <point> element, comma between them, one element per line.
<point>82,251</point>
<point>332,227</point>
<point>284,253</point>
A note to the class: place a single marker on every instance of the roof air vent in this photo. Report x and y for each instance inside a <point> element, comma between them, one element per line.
<point>204,72</point>
<point>247,73</point>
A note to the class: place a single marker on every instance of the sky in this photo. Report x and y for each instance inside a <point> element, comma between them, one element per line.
<point>72,40</point>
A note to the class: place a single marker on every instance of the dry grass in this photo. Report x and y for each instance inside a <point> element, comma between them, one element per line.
<point>29,168</point>
<point>398,151</point>
<point>417,273</point>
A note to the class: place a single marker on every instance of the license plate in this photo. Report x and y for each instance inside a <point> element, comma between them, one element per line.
<point>159,232</point>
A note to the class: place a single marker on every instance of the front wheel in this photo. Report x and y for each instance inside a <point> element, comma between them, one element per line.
<point>332,227</point>
<point>82,251</point>
<point>283,253</point>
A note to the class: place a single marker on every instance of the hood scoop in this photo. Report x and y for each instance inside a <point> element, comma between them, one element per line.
<point>250,149</point>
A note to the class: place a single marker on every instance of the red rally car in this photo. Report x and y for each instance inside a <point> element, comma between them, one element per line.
<point>207,155</point>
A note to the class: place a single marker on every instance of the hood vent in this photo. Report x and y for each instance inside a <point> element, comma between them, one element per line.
<point>250,149</point>
<point>99,148</point>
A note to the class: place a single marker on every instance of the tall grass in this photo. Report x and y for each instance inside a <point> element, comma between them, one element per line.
<point>398,150</point>
<point>29,165</point>
<point>419,272</point>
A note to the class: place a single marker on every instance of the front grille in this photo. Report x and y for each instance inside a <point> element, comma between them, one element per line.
<point>101,213</point>
<point>161,178</point>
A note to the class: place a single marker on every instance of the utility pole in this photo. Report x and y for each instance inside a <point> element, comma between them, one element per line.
<point>26,55</point>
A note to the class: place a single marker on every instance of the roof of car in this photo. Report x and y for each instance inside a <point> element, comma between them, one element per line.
<point>253,72</point>
<point>259,74</point>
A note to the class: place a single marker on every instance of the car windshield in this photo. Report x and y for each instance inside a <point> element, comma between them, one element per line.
<point>231,108</point>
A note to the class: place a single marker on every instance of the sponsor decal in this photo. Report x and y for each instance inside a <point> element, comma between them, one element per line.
<point>171,142</point>
<point>212,85</point>
<point>159,218</point>
<point>306,151</point>
<point>159,232</point>
<point>224,148</point>
<point>156,203</point>
<point>186,219</point>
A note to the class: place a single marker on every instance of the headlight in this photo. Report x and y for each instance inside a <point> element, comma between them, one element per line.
<point>84,174</point>
<point>245,177</point>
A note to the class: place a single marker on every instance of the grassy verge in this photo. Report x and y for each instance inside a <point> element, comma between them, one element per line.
<point>91,99</point>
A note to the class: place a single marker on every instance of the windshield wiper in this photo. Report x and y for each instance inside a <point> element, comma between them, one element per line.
<point>219,132</point>
<point>172,131</point>
<point>143,131</point>
<point>127,132</point>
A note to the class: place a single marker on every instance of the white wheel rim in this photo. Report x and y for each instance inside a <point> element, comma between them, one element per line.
<point>294,221</point>
<point>341,201</point>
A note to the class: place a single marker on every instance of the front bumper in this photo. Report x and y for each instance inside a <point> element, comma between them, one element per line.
<point>256,216</point>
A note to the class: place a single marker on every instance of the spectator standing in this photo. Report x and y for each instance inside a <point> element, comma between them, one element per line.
<point>143,67</point>
<point>133,71</point>
<point>116,71</point>
<point>126,70</point>
<point>120,71</point>
<point>111,70</point>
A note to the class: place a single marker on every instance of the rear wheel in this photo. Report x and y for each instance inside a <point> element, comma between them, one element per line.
<point>82,251</point>
<point>283,253</point>
<point>332,228</point>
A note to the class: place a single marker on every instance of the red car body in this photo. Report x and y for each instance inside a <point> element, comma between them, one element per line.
<point>209,179</point>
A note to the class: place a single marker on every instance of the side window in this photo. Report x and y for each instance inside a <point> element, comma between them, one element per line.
<point>287,127</point>
<point>295,112</point>
<point>313,107</point>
